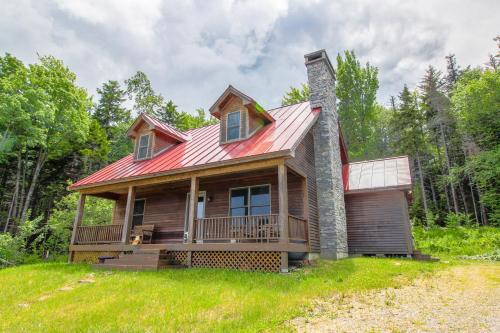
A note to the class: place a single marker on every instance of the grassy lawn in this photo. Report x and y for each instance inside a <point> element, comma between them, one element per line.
<point>194,300</point>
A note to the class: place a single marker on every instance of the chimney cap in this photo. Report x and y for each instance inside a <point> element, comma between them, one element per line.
<point>319,55</point>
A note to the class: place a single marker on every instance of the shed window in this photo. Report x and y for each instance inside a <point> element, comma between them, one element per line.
<point>253,200</point>
<point>138,216</point>
<point>233,125</point>
<point>143,147</point>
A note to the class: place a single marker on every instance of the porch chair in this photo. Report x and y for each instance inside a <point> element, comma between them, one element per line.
<point>145,232</point>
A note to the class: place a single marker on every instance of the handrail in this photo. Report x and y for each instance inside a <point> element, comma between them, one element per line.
<point>261,228</point>
<point>297,228</point>
<point>99,234</point>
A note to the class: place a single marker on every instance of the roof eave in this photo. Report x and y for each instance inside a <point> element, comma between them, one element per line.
<point>405,187</point>
<point>282,153</point>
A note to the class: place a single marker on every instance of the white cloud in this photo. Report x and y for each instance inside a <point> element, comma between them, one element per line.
<point>191,50</point>
<point>137,18</point>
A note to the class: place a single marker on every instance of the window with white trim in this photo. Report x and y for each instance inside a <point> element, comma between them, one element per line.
<point>233,126</point>
<point>143,146</point>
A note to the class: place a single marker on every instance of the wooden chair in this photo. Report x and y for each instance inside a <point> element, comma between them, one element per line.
<point>145,232</point>
<point>267,232</point>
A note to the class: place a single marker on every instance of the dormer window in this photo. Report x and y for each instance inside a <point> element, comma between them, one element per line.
<point>240,116</point>
<point>233,125</point>
<point>143,147</point>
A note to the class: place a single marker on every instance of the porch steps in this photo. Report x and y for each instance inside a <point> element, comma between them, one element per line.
<point>140,259</point>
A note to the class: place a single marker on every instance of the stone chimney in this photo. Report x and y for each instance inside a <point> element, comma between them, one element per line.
<point>332,221</point>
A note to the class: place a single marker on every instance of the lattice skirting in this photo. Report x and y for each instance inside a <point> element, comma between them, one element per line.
<point>178,257</point>
<point>92,257</point>
<point>252,261</point>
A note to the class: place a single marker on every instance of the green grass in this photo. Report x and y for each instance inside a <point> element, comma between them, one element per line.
<point>457,241</point>
<point>190,300</point>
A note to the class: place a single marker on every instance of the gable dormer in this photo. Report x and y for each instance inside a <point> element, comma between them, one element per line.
<point>240,116</point>
<point>152,137</point>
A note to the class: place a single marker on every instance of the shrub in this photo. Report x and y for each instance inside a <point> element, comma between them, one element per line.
<point>36,238</point>
<point>457,241</point>
<point>11,251</point>
<point>458,219</point>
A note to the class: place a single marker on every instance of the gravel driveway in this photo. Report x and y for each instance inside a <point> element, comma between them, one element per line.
<point>460,299</point>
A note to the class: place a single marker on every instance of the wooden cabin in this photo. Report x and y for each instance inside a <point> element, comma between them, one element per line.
<point>270,186</point>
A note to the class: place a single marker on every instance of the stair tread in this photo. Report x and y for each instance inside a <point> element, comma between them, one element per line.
<point>136,267</point>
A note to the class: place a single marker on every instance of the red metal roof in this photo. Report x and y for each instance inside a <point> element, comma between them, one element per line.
<point>202,149</point>
<point>377,174</point>
<point>159,126</point>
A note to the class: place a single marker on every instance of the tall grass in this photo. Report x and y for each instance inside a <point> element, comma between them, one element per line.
<point>457,241</point>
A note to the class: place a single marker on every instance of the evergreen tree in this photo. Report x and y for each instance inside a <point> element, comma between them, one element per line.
<point>114,119</point>
<point>168,113</point>
<point>452,72</point>
<point>436,106</point>
<point>407,124</point>
<point>110,111</point>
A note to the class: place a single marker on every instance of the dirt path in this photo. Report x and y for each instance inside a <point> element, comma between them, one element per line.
<point>461,299</point>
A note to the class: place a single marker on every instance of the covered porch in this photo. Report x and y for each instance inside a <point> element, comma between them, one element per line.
<point>260,209</point>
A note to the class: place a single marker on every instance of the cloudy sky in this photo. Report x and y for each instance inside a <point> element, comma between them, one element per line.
<point>192,50</point>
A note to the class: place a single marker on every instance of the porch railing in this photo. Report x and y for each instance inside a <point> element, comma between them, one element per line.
<point>261,228</point>
<point>297,229</point>
<point>99,234</point>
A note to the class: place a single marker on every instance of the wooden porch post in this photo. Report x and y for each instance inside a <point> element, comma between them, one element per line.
<point>78,220</point>
<point>283,212</point>
<point>193,205</point>
<point>129,213</point>
<point>305,209</point>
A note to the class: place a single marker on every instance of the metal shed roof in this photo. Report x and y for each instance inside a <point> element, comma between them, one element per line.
<point>393,172</point>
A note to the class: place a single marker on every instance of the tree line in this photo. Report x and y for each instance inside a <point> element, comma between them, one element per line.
<point>53,132</point>
<point>449,126</point>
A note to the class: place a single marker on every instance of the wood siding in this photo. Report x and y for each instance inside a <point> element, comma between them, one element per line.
<point>234,104</point>
<point>144,130</point>
<point>165,208</point>
<point>304,162</point>
<point>250,121</point>
<point>377,223</point>
<point>162,142</point>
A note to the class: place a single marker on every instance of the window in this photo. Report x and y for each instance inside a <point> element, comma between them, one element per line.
<point>233,126</point>
<point>239,202</point>
<point>253,200</point>
<point>143,147</point>
<point>259,200</point>
<point>138,215</point>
